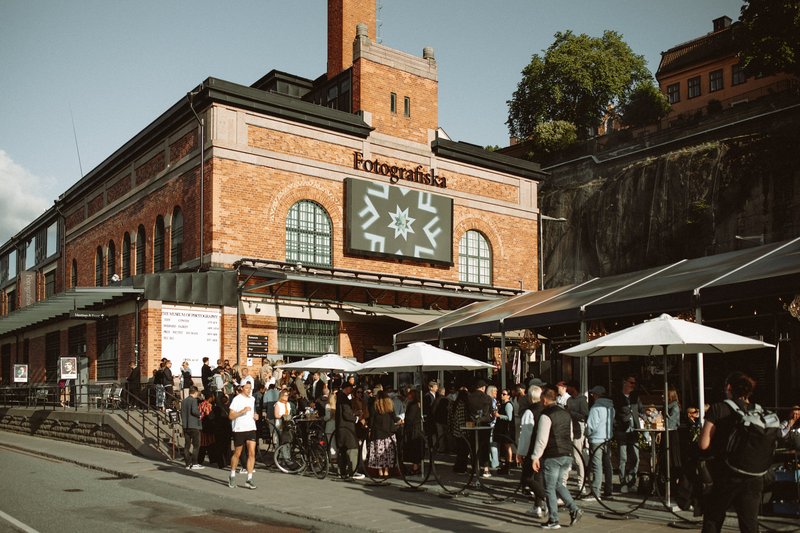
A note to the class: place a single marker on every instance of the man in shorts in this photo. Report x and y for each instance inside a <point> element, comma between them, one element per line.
<point>243,416</point>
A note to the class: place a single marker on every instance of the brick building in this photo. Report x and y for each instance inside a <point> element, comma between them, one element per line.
<point>694,73</point>
<point>327,215</point>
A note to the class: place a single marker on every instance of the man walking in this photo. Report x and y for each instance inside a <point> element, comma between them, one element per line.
<point>553,455</point>
<point>243,416</point>
<point>190,419</point>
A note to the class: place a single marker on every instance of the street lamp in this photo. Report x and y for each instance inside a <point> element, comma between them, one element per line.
<point>542,218</point>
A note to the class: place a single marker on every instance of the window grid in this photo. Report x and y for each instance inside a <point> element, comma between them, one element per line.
<point>308,234</point>
<point>475,259</point>
<point>307,337</point>
<point>715,81</point>
<point>111,260</point>
<point>737,75</point>
<point>126,256</point>
<point>107,349</point>
<point>674,93</point>
<point>693,86</point>
<point>177,239</point>
<point>141,244</point>
<point>158,246</point>
<point>98,267</point>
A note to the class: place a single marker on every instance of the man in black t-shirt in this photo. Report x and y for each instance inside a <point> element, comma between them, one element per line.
<point>730,488</point>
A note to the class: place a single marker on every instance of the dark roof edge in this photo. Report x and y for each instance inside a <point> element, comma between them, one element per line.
<point>475,155</point>
<point>225,92</point>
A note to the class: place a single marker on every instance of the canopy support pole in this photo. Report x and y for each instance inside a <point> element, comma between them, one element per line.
<point>502,356</point>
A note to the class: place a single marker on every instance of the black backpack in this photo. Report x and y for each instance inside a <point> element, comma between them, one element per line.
<point>752,442</point>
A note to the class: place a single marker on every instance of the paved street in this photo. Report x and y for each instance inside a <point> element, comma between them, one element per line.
<point>57,486</point>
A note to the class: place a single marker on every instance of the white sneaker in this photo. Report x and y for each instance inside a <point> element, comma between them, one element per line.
<point>197,467</point>
<point>243,471</point>
<point>358,475</point>
<point>535,511</point>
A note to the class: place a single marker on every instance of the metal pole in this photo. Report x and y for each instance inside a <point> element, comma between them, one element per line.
<point>541,253</point>
<point>502,357</point>
<point>666,430</point>
<point>701,380</point>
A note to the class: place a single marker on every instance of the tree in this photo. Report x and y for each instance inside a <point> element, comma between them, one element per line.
<point>553,136</point>
<point>645,105</point>
<point>576,80</point>
<point>768,36</point>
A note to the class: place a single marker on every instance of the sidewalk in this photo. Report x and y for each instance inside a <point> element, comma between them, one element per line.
<point>356,505</point>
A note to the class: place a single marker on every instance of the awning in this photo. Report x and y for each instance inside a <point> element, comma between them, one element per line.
<point>60,305</point>
<point>769,270</point>
<point>406,314</point>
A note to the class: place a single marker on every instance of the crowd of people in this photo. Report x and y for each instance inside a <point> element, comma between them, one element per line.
<point>547,436</point>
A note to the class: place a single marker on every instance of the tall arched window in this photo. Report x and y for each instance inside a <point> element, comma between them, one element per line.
<point>158,245</point>
<point>98,267</point>
<point>474,259</point>
<point>111,260</point>
<point>176,257</point>
<point>74,276</point>
<point>308,234</point>
<point>141,248</point>
<point>126,256</point>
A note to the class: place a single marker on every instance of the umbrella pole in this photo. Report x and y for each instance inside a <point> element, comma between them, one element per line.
<point>666,431</point>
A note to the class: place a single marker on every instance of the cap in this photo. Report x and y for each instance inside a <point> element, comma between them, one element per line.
<point>599,390</point>
<point>538,382</point>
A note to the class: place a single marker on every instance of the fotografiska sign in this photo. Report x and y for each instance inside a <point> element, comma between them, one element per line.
<point>419,174</point>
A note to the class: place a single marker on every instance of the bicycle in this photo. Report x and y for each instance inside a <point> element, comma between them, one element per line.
<point>306,449</point>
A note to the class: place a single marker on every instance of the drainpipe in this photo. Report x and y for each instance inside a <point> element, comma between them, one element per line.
<point>137,339</point>
<point>201,126</point>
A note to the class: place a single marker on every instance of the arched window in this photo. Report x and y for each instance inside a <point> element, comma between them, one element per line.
<point>98,267</point>
<point>177,238</point>
<point>474,259</point>
<point>158,245</point>
<point>74,275</point>
<point>141,247</point>
<point>111,260</point>
<point>126,256</point>
<point>308,234</point>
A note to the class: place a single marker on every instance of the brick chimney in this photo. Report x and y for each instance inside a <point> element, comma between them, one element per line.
<point>343,15</point>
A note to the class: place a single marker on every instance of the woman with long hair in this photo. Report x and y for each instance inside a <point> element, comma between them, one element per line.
<point>330,422</point>
<point>503,433</point>
<point>382,442</point>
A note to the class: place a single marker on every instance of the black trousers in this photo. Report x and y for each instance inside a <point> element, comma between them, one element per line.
<point>533,480</point>
<point>191,441</point>
<point>732,489</point>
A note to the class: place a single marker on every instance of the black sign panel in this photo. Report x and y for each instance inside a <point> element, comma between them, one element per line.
<point>257,345</point>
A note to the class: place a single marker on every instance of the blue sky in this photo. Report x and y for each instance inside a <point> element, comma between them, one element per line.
<point>98,71</point>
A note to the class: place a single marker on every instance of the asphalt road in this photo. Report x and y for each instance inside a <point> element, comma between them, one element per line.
<point>46,495</point>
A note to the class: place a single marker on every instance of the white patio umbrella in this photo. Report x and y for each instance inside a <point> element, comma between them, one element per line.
<point>329,361</point>
<point>421,356</point>
<point>665,335</point>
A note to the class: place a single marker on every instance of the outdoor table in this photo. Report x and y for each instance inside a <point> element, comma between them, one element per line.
<point>653,451</point>
<point>475,463</point>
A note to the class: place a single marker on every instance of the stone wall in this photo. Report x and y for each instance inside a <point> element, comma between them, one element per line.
<point>79,428</point>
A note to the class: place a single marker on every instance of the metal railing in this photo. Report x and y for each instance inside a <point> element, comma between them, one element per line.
<point>136,407</point>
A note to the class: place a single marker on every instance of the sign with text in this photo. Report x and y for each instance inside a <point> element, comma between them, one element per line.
<point>189,333</point>
<point>393,221</point>
<point>257,345</point>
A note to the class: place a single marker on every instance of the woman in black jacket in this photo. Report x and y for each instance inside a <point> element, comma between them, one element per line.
<point>413,436</point>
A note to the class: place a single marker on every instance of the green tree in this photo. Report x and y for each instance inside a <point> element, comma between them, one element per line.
<point>769,36</point>
<point>645,105</point>
<point>553,135</point>
<point>577,79</point>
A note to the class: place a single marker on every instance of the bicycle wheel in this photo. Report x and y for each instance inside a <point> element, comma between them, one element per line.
<point>413,461</point>
<point>504,483</point>
<point>616,505</point>
<point>268,438</point>
<point>318,460</point>
<point>289,458</point>
<point>449,465</point>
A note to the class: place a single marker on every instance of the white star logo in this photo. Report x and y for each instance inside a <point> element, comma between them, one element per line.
<point>401,223</point>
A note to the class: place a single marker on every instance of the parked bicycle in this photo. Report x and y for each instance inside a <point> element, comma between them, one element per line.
<point>305,449</point>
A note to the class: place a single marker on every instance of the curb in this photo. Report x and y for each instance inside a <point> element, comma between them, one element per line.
<point>115,473</point>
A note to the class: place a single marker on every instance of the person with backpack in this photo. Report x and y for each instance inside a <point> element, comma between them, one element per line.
<point>741,438</point>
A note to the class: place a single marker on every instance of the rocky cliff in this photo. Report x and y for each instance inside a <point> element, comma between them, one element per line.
<point>680,199</point>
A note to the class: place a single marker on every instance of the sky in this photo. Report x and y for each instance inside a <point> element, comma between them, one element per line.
<point>80,78</point>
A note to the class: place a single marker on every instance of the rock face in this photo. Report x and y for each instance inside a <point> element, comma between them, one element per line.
<point>679,200</point>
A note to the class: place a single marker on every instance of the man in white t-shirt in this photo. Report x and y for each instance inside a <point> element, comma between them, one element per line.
<point>245,377</point>
<point>243,416</point>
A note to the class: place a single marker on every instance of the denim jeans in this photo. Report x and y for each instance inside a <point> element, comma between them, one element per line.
<point>554,469</point>
<point>601,468</point>
<point>628,459</point>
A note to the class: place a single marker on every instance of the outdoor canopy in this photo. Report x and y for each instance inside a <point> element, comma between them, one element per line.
<point>420,355</point>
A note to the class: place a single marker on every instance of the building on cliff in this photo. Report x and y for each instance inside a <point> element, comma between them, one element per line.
<point>292,217</point>
<point>704,70</point>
